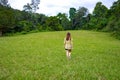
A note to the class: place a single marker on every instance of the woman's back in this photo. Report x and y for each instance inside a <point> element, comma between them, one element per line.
<point>68,44</point>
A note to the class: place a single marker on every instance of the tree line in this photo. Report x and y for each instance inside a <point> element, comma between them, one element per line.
<point>27,20</point>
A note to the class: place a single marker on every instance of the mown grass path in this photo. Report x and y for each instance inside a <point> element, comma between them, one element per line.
<point>41,56</point>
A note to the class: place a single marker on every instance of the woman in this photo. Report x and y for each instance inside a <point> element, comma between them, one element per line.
<point>68,45</point>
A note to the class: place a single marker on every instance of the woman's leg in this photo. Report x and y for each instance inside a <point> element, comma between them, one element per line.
<point>69,53</point>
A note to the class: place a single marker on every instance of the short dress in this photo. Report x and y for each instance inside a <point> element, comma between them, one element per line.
<point>68,44</point>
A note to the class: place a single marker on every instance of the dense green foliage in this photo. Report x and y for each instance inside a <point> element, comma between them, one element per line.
<point>80,18</point>
<point>114,19</point>
<point>102,19</point>
<point>106,19</point>
<point>98,18</point>
<point>7,19</point>
<point>41,56</point>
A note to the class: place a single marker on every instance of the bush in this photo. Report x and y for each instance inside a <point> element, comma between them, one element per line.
<point>23,32</point>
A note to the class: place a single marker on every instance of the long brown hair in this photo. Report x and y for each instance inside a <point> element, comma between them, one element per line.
<point>68,36</point>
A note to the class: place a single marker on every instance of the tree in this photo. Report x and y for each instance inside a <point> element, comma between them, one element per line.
<point>27,8</point>
<point>115,9</point>
<point>114,19</point>
<point>7,19</point>
<point>64,21</point>
<point>72,13</point>
<point>52,23</point>
<point>42,20</point>
<point>86,25</point>
<point>98,19</point>
<point>80,17</point>
<point>34,5</point>
<point>24,26</point>
<point>31,9</point>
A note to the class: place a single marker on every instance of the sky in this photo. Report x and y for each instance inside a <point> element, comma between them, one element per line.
<point>53,7</point>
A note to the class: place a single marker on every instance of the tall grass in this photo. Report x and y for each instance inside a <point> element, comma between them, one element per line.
<point>41,56</point>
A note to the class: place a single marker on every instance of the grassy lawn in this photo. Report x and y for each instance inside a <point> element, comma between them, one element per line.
<point>41,56</point>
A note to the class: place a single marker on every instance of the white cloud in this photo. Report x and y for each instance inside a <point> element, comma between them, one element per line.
<point>53,7</point>
<point>18,4</point>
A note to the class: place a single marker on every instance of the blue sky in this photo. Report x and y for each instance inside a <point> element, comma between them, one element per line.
<point>53,7</point>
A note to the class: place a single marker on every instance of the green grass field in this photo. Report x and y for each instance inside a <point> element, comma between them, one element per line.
<point>41,56</point>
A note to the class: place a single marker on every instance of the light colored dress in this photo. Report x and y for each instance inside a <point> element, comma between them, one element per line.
<point>68,44</point>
